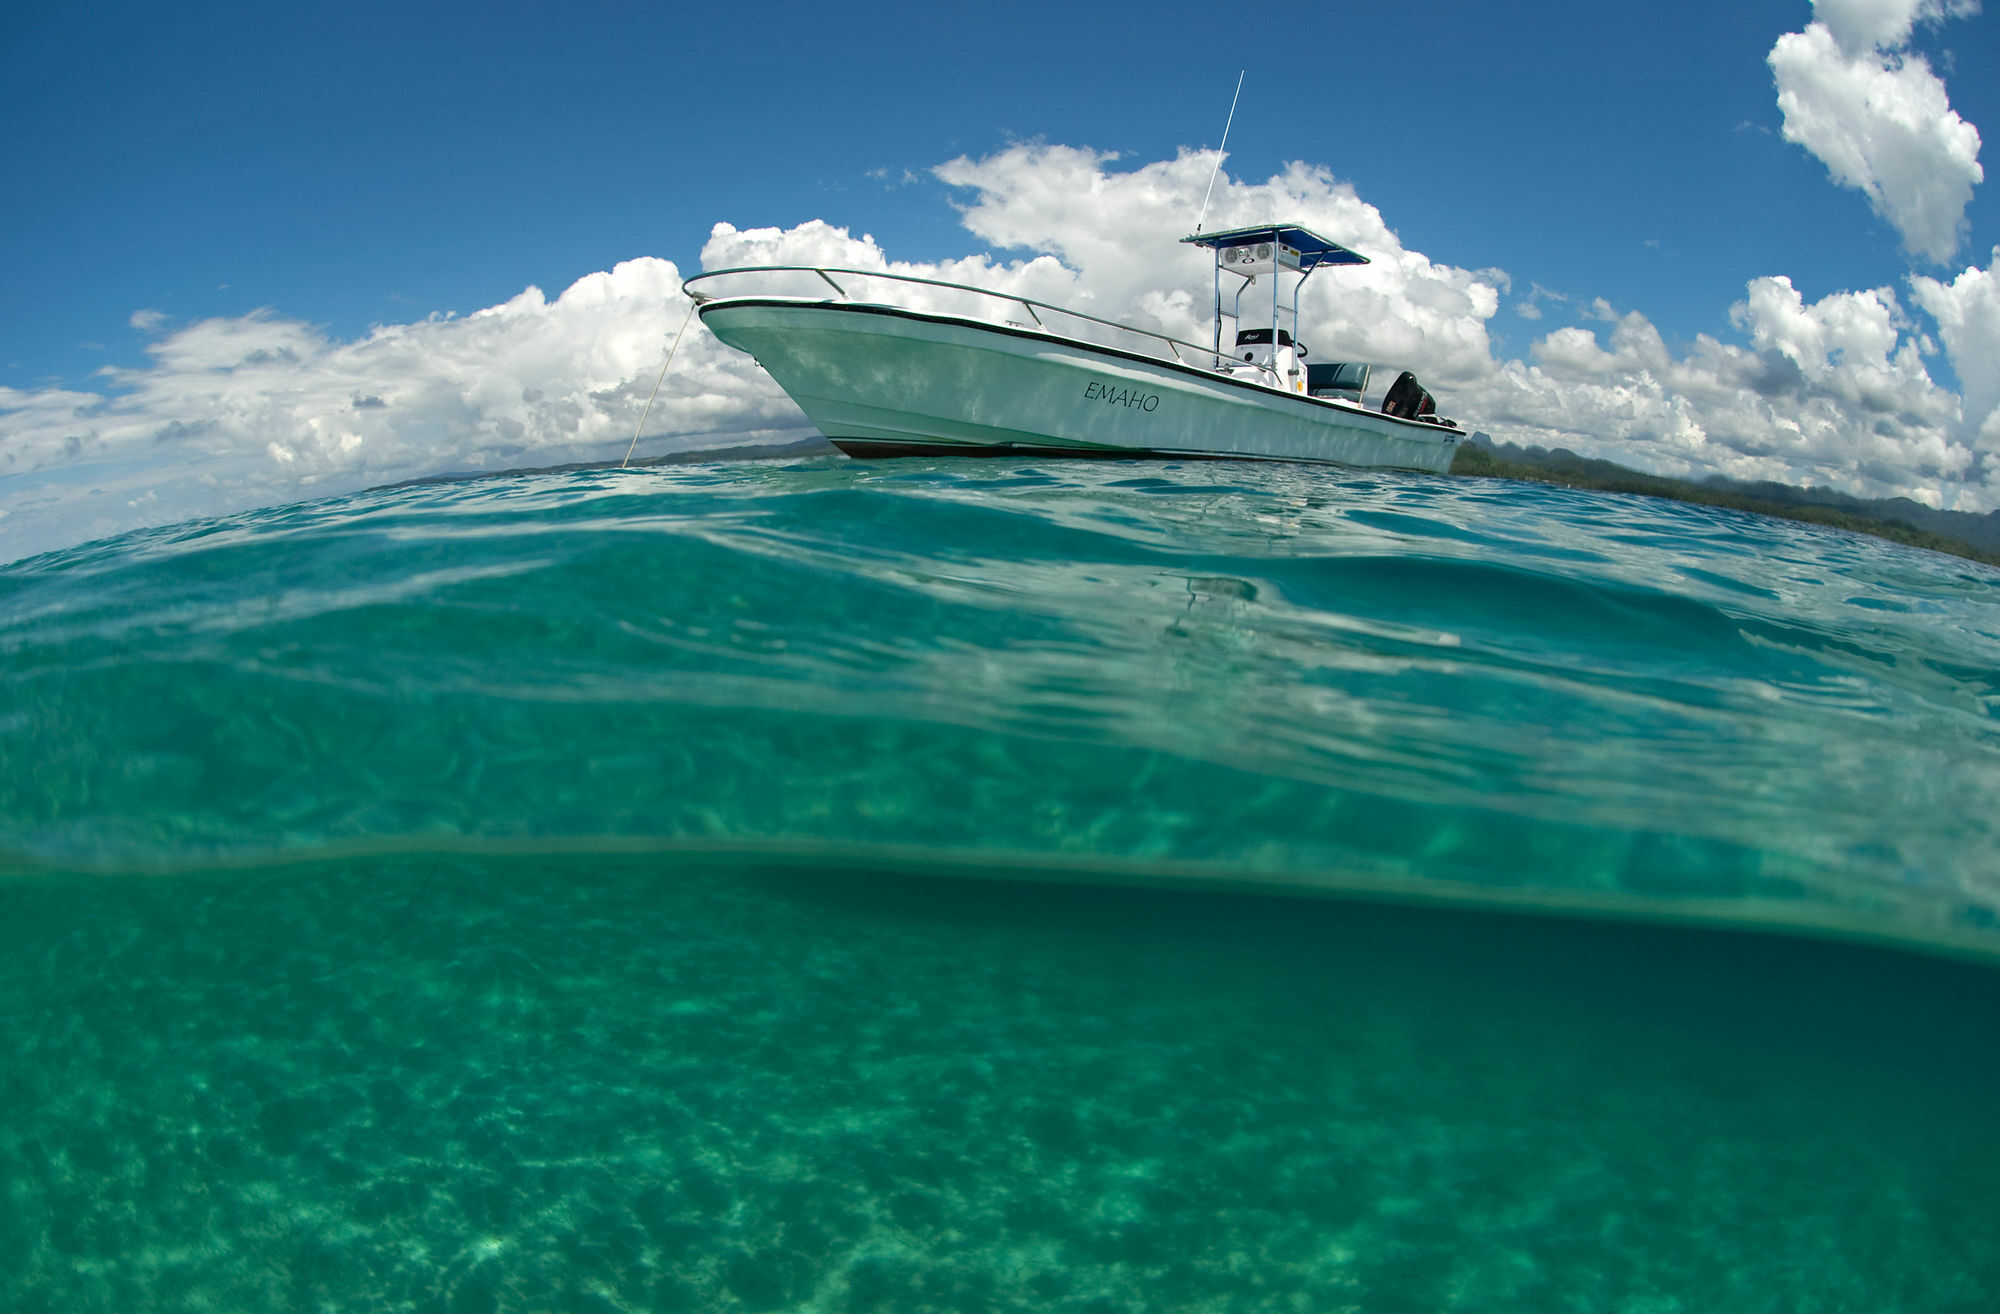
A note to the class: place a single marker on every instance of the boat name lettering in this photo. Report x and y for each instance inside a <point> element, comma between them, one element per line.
<point>1116,396</point>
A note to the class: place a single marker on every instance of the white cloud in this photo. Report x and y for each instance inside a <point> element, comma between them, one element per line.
<point>1120,231</point>
<point>259,409</point>
<point>1108,243</point>
<point>1530,307</point>
<point>1834,392</point>
<point>1865,25</point>
<point>1967,311</point>
<point>1830,393</point>
<point>234,413</point>
<point>815,242</point>
<point>1879,119</point>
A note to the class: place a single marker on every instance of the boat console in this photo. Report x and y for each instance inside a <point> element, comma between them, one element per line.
<point>1271,252</point>
<point>1268,349</point>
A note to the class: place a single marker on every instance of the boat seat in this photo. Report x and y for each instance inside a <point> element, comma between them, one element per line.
<point>1338,379</point>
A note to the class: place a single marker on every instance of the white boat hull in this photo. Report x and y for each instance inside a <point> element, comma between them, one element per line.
<point>884,381</point>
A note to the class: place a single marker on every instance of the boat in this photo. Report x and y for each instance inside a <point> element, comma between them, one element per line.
<point>887,364</point>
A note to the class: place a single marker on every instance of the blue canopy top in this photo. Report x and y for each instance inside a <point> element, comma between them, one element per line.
<point>1313,249</point>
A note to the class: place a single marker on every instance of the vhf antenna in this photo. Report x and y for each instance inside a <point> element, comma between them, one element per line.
<point>1219,153</point>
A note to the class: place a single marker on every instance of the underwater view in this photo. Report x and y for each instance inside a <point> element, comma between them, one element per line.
<point>941,885</point>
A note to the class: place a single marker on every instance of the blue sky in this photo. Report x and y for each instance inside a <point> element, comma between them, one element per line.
<point>362,164</point>
<point>372,162</point>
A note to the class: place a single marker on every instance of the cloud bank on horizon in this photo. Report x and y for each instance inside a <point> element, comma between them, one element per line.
<point>238,413</point>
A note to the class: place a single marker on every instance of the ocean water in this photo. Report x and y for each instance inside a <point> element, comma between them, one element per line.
<point>999,885</point>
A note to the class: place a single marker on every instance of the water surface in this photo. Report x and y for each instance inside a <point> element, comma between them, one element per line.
<point>952,885</point>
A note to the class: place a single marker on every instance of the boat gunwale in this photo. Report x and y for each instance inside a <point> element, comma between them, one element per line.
<point>825,272</point>
<point>1341,405</point>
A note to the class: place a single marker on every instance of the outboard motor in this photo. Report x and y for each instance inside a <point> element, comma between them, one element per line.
<point>1407,399</point>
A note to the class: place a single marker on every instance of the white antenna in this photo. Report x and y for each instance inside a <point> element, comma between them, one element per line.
<point>1219,152</point>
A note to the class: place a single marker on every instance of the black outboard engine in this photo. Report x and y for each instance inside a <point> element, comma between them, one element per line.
<point>1407,399</point>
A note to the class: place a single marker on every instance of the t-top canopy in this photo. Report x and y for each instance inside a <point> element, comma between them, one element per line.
<point>1313,249</point>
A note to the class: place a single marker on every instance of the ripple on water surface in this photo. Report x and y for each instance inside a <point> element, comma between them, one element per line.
<point>1475,688</point>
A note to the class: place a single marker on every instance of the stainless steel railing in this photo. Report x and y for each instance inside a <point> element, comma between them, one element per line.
<point>1198,353</point>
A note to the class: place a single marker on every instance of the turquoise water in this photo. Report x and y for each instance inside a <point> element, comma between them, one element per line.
<point>999,885</point>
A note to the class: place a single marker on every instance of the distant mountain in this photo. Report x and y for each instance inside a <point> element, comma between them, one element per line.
<point>1962,533</point>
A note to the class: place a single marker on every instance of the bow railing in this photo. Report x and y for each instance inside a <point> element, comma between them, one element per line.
<point>1160,344</point>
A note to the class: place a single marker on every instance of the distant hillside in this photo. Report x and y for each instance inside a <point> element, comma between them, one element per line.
<point>1961,533</point>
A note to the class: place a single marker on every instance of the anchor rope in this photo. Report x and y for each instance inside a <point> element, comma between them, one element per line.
<point>641,426</point>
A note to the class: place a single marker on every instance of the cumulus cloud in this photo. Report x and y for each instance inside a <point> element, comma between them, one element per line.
<point>260,409</point>
<point>1967,311</point>
<point>1833,392</point>
<point>1529,307</point>
<point>820,244</point>
<point>1880,120</point>
<point>1107,242</point>
<point>244,412</point>
<point>1864,25</point>
<point>1119,230</point>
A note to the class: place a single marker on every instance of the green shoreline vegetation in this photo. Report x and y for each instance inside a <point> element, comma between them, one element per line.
<point>1564,468</point>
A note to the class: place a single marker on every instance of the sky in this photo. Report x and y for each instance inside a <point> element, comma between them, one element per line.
<point>250,254</point>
